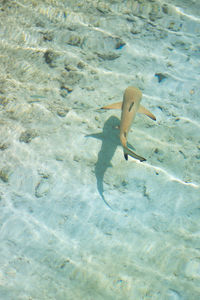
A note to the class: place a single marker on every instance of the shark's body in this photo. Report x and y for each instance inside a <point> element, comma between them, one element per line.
<point>130,106</point>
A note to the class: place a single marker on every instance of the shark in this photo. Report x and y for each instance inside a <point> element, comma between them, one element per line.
<point>129,107</point>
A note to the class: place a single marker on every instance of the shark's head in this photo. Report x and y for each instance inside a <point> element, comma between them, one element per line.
<point>132,94</point>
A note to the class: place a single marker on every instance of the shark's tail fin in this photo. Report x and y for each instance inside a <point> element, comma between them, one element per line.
<point>128,151</point>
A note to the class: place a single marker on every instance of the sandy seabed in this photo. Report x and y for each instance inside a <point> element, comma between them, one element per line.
<point>77,220</point>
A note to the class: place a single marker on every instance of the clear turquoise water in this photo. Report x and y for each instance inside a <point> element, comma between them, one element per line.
<point>78,221</point>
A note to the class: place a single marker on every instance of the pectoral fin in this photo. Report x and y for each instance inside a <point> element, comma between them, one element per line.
<point>128,151</point>
<point>117,105</point>
<point>145,111</point>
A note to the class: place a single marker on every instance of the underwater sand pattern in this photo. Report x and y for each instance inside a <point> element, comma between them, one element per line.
<point>77,220</point>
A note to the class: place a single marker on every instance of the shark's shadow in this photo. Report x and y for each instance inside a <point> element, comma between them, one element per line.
<point>110,140</point>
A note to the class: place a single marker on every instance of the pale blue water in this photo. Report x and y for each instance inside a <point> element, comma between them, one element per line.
<point>77,220</point>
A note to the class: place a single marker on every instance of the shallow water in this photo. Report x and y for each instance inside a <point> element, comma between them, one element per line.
<point>77,220</point>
